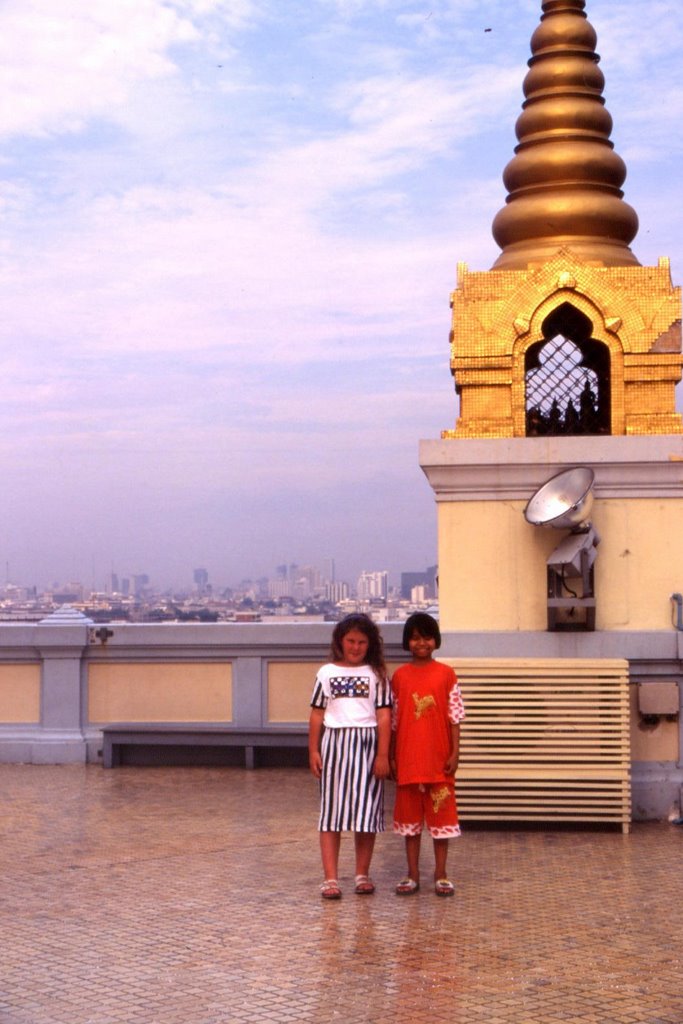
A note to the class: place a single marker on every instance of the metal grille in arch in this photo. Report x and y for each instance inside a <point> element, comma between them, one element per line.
<point>566,388</point>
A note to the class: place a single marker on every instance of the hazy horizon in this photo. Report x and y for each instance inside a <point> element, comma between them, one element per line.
<point>188,584</point>
<point>230,229</point>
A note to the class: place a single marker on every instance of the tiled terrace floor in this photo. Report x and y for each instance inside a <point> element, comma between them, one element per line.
<point>190,896</point>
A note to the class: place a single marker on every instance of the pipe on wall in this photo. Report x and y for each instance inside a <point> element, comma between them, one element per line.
<point>678,601</point>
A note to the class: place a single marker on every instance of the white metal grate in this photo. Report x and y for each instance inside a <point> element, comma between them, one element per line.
<point>544,740</point>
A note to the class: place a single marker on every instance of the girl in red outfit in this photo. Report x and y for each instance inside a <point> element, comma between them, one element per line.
<point>427,712</point>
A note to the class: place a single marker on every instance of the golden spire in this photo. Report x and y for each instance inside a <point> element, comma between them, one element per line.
<point>564,181</point>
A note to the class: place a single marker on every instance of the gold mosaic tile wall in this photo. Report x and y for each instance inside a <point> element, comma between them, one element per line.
<point>499,314</point>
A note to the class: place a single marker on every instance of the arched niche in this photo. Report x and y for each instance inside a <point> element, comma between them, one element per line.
<point>568,376</point>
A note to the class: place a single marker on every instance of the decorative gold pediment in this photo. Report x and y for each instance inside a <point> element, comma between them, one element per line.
<point>498,315</point>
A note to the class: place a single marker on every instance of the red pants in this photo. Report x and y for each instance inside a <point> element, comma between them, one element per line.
<point>429,803</point>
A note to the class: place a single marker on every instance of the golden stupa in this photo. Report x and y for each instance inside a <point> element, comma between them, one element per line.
<point>567,333</point>
<point>559,495</point>
<point>566,353</point>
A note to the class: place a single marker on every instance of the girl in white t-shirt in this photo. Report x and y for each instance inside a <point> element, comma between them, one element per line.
<point>348,747</point>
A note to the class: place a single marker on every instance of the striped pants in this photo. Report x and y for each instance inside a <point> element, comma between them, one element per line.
<point>351,798</point>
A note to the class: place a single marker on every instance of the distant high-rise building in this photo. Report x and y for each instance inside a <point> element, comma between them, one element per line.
<point>278,588</point>
<point>308,579</point>
<point>373,585</point>
<point>426,579</point>
<point>69,593</point>
<point>140,581</point>
<point>329,570</point>
<point>289,573</point>
<point>201,580</point>
<point>301,588</point>
<point>336,591</point>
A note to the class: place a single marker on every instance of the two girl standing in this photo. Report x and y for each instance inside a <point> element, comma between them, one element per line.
<point>353,748</point>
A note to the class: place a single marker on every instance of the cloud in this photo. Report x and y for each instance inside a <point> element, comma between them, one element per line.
<point>187,268</point>
<point>68,62</point>
<point>208,273</point>
<point>229,235</point>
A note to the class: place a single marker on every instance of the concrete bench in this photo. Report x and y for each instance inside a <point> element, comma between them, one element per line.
<point>147,734</point>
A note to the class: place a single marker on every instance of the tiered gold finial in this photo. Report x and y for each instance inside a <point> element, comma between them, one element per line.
<point>564,182</point>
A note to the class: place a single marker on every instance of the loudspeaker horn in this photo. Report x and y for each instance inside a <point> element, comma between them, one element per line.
<point>564,502</point>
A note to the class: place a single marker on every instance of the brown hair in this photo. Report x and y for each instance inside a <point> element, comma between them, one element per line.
<point>365,625</point>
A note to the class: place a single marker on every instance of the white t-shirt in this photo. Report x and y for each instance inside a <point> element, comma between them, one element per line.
<point>350,696</point>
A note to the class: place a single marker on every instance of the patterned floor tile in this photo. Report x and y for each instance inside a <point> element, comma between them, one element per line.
<point>190,896</point>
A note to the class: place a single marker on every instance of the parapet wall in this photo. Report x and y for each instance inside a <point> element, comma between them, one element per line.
<point>60,684</point>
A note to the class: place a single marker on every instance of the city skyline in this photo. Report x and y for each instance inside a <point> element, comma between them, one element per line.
<point>201,580</point>
<point>229,235</point>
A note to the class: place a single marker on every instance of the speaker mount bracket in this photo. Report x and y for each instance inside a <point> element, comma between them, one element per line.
<point>565,502</point>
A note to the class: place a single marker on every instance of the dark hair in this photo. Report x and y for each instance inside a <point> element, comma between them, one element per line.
<point>365,625</point>
<point>423,624</point>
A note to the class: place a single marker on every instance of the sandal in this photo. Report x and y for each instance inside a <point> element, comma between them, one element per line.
<point>442,887</point>
<point>364,886</point>
<point>330,890</point>
<point>407,887</point>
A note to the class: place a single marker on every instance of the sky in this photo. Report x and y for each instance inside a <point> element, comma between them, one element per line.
<point>229,230</point>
